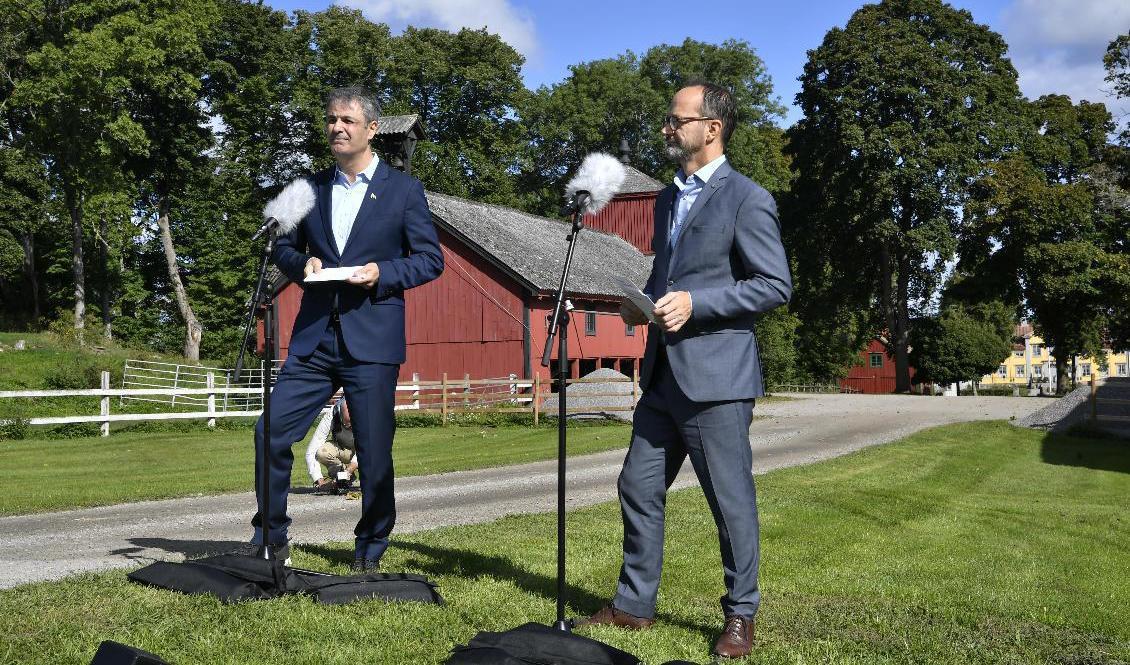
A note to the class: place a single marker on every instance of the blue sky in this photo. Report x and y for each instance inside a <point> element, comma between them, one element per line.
<point>1056,45</point>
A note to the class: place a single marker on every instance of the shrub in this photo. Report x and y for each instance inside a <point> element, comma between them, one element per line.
<point>14,427</point>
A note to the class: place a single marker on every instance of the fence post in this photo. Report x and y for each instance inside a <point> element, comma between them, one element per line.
<point>466,390</point>
<point>211,398</point>
<point>1094,398</point>
<point>125,380</point>
<point>416,391</point>
<point>635,385</point>
<point>105,403</point>
<point>537,397</point>
<point>443,394</point>
<point>176,384</point>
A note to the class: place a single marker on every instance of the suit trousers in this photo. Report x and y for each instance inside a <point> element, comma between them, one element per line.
<point>668,427</point>
<point>304,386</point>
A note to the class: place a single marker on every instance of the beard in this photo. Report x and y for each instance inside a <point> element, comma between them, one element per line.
<point>682,150</point>
<point>677,153</point>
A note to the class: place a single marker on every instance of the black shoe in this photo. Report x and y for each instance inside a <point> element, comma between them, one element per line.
<point>277,551</point>
<point>365,566</point>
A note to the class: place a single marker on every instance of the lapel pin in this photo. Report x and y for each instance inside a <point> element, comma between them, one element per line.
<point>372,196</point>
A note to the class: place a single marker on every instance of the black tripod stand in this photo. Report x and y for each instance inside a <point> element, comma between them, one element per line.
<point>265,294</point>
<point>559,326</point>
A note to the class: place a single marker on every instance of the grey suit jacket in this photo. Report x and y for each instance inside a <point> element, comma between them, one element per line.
<point>729,257</point>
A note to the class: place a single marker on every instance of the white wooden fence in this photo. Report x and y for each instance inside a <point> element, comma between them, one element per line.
<point>444,397</point>
<point>151,374</point>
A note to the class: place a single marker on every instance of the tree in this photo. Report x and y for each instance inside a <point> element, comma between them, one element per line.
<point>625,98</point>
<point>23,195</point>
<point>1116,60</point>
<point>164,103</point>
<point>467,87</point>
<point>65,107</point>
<point>902,107</point>
<point>961,344</point>
<point>1032,232</point>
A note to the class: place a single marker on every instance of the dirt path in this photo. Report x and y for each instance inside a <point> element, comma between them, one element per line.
<point>808,429</point>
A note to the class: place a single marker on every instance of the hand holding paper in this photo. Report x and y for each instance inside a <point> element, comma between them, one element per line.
<point>332,274</point>
<point>638,298</point>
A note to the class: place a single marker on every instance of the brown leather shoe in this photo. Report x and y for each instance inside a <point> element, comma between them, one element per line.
<point>610,616</point>
<point>736,639</point>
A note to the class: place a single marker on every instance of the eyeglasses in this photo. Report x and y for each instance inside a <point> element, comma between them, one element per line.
<point>675,122</point>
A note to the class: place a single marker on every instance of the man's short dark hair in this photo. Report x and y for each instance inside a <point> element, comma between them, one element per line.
<point>364,97</point>
<point>717,102</point>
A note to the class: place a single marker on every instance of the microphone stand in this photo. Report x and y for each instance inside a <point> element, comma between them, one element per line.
<point>559,325</point>
<point>263,471</point>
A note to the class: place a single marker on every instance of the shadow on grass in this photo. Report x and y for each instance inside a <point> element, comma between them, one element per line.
<point>191,549</point>
<point>1091,450</point>
<point>437,561</point>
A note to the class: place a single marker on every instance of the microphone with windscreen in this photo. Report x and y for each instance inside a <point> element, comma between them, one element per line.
<point>595,183</point>
<point>285,211</point>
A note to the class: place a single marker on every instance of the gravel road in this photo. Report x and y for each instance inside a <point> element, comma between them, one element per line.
<point>788,433</point>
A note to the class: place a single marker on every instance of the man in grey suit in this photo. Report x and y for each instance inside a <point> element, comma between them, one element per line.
<point>719,263</point>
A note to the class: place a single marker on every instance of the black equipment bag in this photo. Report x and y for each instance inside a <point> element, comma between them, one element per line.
<point>533,643</point>
<point>233,578</point>
<point>116,653</point>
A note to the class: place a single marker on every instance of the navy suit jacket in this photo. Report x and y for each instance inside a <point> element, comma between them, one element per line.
<point>729,257</point>
<point>394,230</point>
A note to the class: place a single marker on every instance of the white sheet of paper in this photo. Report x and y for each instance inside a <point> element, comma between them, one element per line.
<point>637,297</point>
<point>332,274</point>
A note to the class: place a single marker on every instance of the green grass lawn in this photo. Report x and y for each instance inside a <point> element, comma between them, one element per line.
<point>976,543</point>
<point>42,475</point>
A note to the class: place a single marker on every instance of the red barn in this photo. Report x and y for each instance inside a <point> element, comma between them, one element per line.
<point>486,315</point>
<point>876,373</point>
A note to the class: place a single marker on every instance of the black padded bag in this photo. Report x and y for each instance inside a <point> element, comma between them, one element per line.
<point>535,644</point>
<point>233,578</point>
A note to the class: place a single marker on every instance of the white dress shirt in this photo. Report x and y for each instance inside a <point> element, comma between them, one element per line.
<point>689,189</point>
<point>346,200</point>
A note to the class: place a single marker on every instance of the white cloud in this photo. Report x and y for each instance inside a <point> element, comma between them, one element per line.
<point>1057,46</point>
<point>500,17</point>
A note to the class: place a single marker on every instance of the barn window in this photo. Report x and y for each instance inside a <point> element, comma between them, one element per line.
<point>629,330</point>
<point>876,360</point>
<point>590,323</point>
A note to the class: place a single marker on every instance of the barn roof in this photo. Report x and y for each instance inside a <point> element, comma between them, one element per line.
<point>532,248</point>
<point>638,182</point>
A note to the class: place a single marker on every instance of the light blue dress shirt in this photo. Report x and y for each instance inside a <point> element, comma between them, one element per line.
<point>689,189</point>
<point>346,200</point>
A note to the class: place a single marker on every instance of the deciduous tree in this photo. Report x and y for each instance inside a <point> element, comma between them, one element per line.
<point>902,107</point>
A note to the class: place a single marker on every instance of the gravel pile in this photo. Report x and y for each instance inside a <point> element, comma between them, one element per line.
<point>597,398</point>
<point>1061,413</point>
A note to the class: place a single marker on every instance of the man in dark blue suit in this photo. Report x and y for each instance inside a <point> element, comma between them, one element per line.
<point>350,334</point>
<point>719,263</point>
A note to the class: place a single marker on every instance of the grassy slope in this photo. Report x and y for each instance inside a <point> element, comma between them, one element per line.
<point>973,543</point>
<point>58,474</point>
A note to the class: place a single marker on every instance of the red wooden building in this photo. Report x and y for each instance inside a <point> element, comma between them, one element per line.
<point>486,315</point>
<point>876,374</point>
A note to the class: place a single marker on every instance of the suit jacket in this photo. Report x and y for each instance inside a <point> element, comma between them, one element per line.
<point>729,257</point>
<point>393,229</point>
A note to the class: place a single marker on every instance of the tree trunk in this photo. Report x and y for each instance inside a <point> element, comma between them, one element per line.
<point>107,296</point>
<point>193,331</point>
<point>27,241</point>
<point>901,333</point>
<point>1061,377</point>
<point>74,206</point>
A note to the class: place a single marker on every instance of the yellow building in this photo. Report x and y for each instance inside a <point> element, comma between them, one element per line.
<point>1032,363</point>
